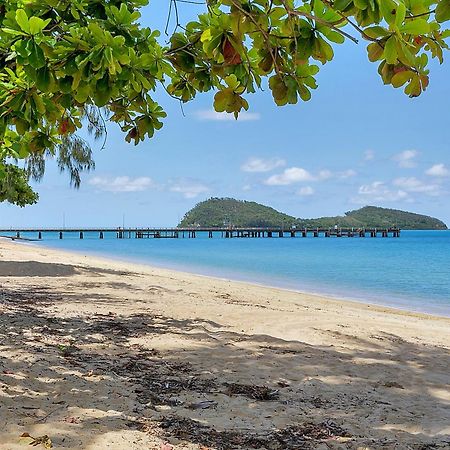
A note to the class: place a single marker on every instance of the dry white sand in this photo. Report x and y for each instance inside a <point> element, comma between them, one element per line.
<point>98,354</point>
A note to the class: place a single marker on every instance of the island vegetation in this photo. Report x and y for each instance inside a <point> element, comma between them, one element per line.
<point>217,212</point>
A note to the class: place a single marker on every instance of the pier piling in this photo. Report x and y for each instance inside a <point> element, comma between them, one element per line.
<point>211,232</point>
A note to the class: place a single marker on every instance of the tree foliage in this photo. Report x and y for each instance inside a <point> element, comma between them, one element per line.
<point>63,62</point>
<point>219,212</point>
<point>14,187</point>
<point>372,216</point>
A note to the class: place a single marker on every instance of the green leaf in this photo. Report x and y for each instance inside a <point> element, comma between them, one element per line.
<point>232,82</point>
<point>76,80</point>
<point>443,11</point>
<point>304,92</point>
<point>340,5</point>
<point>400,78</point>
<point>97,32</point>
<point>414,88</point>
<point>361,4</point>
<point>82,93</point>
<point>375,51</point>
<point>36,58</point>
<point>388,9</point>
<point>22,20</point>
<point>323,51</point>
<point>416,27</point>
<point>22,126</point>
<point>376,32</point>
<point>22,48</point>
<point>13,32</point>
<point>39,103</point>
<point>102,92</point>
<point>390,50</point>
<point>334,36</point>
<point>221,100</point>
<point>279,90</point>
<point>400,14</point>
<point>37,25</point>
<point>65,84</point>
<point>43,79</point>
<point>404,55</point>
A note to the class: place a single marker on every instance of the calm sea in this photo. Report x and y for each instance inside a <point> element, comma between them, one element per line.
<point>412,272</point>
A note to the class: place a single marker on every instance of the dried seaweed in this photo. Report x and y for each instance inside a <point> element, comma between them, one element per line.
<point>297,437</point>
<point>156,380</point>
<point>159,388</point>
<point>252,391</point>
<point>115,327</point>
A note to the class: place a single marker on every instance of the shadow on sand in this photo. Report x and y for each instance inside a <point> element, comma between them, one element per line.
<point>220,389</point>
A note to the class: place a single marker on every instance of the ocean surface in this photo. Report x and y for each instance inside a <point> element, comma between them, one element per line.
<point>411,272</point>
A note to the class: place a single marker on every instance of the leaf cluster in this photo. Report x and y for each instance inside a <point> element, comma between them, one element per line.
<point>61,60</point>
<point>14,187</point>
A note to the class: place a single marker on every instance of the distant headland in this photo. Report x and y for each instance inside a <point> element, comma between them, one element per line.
<point>216,212</point>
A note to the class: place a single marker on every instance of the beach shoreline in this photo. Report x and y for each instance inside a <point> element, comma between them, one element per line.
<point>87,343</point>
<point>380,302</point>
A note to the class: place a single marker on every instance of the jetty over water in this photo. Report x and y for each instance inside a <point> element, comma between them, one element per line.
<point>193,232</point>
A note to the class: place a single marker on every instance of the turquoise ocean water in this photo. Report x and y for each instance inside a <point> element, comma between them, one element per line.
<point>411,272</point>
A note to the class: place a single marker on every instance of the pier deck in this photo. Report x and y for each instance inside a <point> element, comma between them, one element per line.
<point>223,232</point>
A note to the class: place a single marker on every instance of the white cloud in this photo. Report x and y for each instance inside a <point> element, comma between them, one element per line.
<point>122,184</point>
<point>246,187</point>
<point>294,175</point>
<point>438,170</point>
<point>210,114</point>
<point>369,155</point>
<point>324,174</point>
<point>406,159</point>
<point>289,176</point>
<point>188,188</point>
<point>262,165</point>
<point>412,184</point>
<point>347,174</point>
<point>305,191</point>
<point>378,192</point>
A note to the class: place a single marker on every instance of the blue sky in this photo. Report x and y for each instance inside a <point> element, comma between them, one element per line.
<point>356,143</point>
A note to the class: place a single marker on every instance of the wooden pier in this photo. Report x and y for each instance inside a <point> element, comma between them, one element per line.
<point>190,233</point>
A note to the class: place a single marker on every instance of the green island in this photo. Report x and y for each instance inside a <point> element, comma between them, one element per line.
<point>216,212</point>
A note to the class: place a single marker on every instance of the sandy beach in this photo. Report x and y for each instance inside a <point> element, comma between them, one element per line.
<point>99,354</point>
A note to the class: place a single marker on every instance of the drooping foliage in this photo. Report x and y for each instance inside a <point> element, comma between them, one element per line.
<point>68,63</point>
<point>14,187</point>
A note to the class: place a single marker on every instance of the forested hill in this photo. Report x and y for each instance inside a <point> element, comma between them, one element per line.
<point>372,216</point>
<point>217,212</point>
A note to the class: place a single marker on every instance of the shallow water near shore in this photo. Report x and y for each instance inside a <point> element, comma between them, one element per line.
<point>411,272</point>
